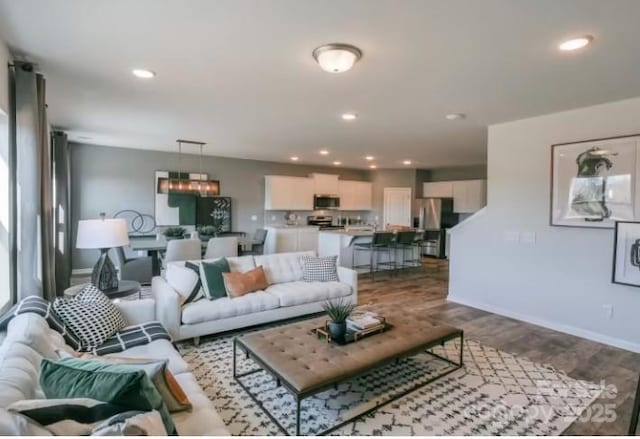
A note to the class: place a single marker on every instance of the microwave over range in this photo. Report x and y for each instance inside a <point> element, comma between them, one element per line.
<point>325,202</point>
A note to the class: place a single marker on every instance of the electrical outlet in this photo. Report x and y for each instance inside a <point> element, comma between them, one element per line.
<point>608,310</point>
<point>254,217</point>
<point>273,217</point>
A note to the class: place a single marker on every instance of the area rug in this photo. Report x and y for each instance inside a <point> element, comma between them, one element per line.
<point>495,393</point>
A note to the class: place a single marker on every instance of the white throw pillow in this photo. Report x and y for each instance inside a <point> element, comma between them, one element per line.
<point>185,279</point>
<point>15,424</point>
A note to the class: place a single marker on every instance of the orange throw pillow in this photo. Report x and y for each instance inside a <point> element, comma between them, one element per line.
<point>239,284</point>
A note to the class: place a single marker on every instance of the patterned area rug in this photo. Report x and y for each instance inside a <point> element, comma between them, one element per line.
<point>495,393</point>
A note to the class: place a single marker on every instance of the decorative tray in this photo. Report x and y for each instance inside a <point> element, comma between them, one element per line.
<point>351,335</point>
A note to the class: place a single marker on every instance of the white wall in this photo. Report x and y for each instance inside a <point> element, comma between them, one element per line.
<point>564,279</point>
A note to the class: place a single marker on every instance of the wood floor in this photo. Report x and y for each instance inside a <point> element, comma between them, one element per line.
<point>579,358</point>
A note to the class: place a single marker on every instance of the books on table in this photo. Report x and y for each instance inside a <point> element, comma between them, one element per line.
<point>359,321</point>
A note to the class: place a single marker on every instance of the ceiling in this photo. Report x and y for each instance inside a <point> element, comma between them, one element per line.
<point>239,75</point>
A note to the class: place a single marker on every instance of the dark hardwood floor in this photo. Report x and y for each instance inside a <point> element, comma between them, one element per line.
<point>579,358</point>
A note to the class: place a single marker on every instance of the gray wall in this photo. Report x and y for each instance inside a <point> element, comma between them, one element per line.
<point>383,178</point>
<point>563,279</point>
<point>106,179</point>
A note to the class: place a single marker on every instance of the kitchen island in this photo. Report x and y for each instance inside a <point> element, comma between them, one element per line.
<point>340,243</point>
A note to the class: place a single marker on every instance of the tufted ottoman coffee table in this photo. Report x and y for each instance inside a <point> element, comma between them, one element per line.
<point>306,365</point>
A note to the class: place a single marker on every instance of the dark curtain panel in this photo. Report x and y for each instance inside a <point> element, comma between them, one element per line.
<point>62,209</point>
<point>33,194</point>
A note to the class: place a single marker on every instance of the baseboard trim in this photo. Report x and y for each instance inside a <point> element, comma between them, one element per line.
<point>578,332</point>
<point>81,271</point>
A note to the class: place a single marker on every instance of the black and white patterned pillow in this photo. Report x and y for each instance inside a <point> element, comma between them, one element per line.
<point>316,269</point>
<point>91,316</point>
<point>43,308</point>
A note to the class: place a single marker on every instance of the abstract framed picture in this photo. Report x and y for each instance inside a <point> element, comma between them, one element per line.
<point>626,253</point>
<point>594,183</point>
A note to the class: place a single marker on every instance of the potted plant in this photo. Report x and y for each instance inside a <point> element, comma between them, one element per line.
<point>174,232</point>
<point>207,232</point>
<point>338,312</point>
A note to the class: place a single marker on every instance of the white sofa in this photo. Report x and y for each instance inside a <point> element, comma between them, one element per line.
<point>287,296</point>
<point>28,339</point>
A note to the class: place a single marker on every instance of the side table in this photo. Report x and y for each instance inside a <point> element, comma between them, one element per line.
<point>125,288</point>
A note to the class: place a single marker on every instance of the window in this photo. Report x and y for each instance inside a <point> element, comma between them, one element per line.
<point>5,217</point>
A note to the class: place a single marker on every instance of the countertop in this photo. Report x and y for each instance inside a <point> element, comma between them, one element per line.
<point>349,232</point>
<point>284,226</point>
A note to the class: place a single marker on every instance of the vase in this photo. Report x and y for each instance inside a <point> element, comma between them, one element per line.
<point>337,330</point>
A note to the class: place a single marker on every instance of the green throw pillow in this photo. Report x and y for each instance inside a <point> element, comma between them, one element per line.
<point>120,384</point>
<point>212,280</point>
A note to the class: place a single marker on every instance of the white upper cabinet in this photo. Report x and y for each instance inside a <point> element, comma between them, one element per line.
<point>469,195</point>
<point>288,193</point>
<point>437,189</point>
<point>355,195</point>
<point>325,184</point>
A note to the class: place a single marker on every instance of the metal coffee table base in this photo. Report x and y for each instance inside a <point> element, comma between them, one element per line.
<point>300,396</point>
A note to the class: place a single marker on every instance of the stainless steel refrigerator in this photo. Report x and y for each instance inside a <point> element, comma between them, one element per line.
<point>434,216</point>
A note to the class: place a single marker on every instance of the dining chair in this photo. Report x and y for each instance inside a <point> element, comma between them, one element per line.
<point>138,269</point>
<point>219,247</point>
<point>257,248</point>
<point>183,250</point>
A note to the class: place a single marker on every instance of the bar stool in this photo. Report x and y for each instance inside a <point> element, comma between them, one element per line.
<point>380,242</point>
<point>405,240</point>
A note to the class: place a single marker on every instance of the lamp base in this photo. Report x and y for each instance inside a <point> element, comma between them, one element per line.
<point>104,275</point>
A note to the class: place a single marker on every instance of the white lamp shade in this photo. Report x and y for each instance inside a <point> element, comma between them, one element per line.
<point>102,233</point>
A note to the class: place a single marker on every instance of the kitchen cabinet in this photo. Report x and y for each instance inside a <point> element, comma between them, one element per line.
<point>288,193</point>
<point>469,195</point>
<point>325,184</point>
<point>282,239</point>
<point>437,189</point>
<point>355,195</point>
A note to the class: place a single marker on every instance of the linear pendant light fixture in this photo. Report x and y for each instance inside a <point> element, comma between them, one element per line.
<point>337,57</point>
<point>188,186</point>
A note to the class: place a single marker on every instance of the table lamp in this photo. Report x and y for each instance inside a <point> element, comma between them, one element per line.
<point>103,234</point>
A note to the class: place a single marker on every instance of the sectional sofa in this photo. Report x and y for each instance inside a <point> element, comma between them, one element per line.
<point>28,339</point>
<point>287,296</point>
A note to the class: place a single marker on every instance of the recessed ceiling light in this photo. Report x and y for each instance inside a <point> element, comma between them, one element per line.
<point>337,57</point>
<point>294,158</point>
<point>337,163</point>
<point>349,116</point>
<point>143,73</point>
<point>575,43</point>
<point>406,162</point>
<point>373,166</point>
<point>324,152</point>
<point>369,158</point>
<point>455,116</point>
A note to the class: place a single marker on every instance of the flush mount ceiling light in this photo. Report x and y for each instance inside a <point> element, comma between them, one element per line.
<point>369,158</point>
<point>455,116</point>
<point>337,57</point>
<point>337,163</point>
<point>349,116</point>
<point>575,43</point>
<point>373,166</point>
<point>406,162</point>
<point>324,152</point>
<point>143,73</point>
<point>294,158</point>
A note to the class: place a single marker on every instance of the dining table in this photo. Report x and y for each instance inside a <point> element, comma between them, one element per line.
<point>154,245</point>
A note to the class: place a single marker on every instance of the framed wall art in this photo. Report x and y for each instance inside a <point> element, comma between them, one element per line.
<point>594,183</point>
<point>626,253</point>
